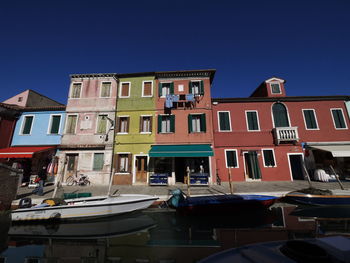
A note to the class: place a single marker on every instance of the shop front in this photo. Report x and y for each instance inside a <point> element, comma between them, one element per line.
<point>171,164</point>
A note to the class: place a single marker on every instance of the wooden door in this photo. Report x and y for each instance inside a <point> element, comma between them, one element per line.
<point>141,169</point>
<point>71,165</point>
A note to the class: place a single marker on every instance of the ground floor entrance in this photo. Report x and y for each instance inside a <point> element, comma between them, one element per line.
<point>296,166</point>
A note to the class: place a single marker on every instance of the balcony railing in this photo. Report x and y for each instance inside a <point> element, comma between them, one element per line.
<point>285,134</point>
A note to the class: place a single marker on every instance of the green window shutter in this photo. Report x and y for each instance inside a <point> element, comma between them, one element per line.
<point>190,87</point>
<point>310,119</point>
<point>55,124</point>
<point>102,124</point>
<point>159,123</point>
<point>201,87</point>
<point>171,91</point>
<point>280,116</point>
<point>203,123</point>
<point>98,161</point>
<point>28,120</point>
<point>172,123</point>
<point>189,123</point>
<point>338,119</point>
<point>160,86</point>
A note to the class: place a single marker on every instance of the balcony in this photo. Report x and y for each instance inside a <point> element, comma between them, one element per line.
<point>285,134</point>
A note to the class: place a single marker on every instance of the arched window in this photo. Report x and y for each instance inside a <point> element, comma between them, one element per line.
<point>280,116</point>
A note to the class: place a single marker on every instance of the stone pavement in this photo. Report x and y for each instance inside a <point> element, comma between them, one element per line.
<point>276,188</point>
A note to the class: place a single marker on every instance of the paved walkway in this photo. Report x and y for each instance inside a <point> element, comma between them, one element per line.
<point>163,192</point>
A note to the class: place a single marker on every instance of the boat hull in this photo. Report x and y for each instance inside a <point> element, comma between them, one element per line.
<point>318,200</point>
<point>85,208</point>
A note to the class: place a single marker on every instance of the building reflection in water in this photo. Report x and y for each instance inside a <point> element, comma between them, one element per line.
<point>160,236</point>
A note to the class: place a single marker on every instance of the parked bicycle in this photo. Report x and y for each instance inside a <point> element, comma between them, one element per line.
<point>81,180</point>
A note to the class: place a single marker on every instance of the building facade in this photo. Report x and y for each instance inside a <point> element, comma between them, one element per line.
<point>264,137</point>
<point>87,141</point>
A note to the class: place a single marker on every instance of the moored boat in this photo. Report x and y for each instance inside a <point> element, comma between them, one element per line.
<point>89,207</point>
<point>219,204</point>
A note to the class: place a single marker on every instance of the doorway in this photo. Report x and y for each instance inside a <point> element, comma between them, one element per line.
<point>72,164</point>
<point>141,168</point>
<point>296,166</point>
<point>252,168</point>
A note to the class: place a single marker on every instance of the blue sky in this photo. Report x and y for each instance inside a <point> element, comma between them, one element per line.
<point>305,42</point>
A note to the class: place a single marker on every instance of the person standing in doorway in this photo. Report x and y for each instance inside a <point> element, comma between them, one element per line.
<point>41,180</point>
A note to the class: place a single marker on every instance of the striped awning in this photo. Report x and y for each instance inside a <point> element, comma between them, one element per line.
<point>22,152</point>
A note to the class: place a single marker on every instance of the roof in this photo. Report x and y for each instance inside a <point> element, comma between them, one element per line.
<point>274,99</point>
<point>94,75</point>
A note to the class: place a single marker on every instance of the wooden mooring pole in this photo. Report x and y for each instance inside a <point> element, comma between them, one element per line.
<point>229,180</point>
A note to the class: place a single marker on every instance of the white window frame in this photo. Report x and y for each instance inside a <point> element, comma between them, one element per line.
<point>289,164</point>
<point>143,88</point>
<point>273,154</point>
<point>229,118</point>
<point>134,168</point>
<point>110,90</point>
<point>120,89</point>
<point>76,125</point>
<point>23,123</point>
<point>97,119</point>
<point>346,125</point>
<point>123,116</point>
<point>50,124</point>
<point>165,82</point>
<point>127,153</point>
<point>246,119</point>
<point>279,85</point>
<point>71,90</point>
<point>93,159</point>
<point>231,150</point>
<point>150,132</point>
<point>306,128</point>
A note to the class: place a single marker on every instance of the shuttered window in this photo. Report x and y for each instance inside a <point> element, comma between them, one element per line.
<point>147,89</point>
<point>269,158</point>
<point>102,124</point>
<point>124,89</point>
<point>310,119</point>
<point>106,89</point>
<point>27,124</point>
<point>196,87</point>
<point>224,121</point>
<point>55,124</point>
<point>76,90</point>
<point>146,124</point>
<point>123,163</point>
<point>165,89</point>
<point>71,124</point>
<point>280,116</point>
<point>338,118</point>
<point>231,158</point>
<point>196,123</point>
<point>98,161</point>
<point>252,120</point>
<point>123,124</point>
<point>166,123</point>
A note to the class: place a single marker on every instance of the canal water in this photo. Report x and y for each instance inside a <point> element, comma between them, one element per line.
<point>159,236</point>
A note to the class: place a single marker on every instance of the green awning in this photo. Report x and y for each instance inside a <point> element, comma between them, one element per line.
<point>192,150</point>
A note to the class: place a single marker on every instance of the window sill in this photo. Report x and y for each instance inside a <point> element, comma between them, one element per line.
<point>145,132</point>
<point>122,133</point>
<point>123,173</point>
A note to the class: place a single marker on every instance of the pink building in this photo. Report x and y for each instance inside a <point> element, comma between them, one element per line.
<point>265,137</point>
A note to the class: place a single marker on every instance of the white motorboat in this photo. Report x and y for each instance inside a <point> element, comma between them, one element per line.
<point>88,207</point>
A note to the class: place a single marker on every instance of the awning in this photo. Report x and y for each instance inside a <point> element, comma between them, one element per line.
<point>336,150</point>
<point>21,152</point>
<point>192,150</point>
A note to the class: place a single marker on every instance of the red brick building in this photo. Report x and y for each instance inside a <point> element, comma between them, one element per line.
<point>265,136</point>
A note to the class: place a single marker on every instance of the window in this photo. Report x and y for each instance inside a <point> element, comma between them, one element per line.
<point>27,125</point>
<point>196,123</point>
<point>55,122</point>
<point>166,123</point>
<point>280,116</point>
<point>231,158</point>
<point>147,89</point>
<point>102,124</point>
<point>106,89</point>
<point>224,121</point>
<point>165,89</point>
<point>76,90</point>
<point>98,161</point>
<point>196,87</point>
<point>269,158</point>
<point>310,119</point>
<point>252,121</point>
<point>71,124</point>
<point>20,99</point>
<point>124,89</point>
<point>123,163</point>
<point>146,124</point>
<point>123,124</point>
<point>275,88</point>
<point>338,119</point>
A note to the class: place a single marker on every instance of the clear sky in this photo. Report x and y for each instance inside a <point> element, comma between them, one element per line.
<point>307,43</point>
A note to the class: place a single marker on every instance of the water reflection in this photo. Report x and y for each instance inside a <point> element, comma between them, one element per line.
<point>160,235</point>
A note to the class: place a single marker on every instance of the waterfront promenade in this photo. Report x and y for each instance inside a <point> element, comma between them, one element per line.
<point>276,188</point>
